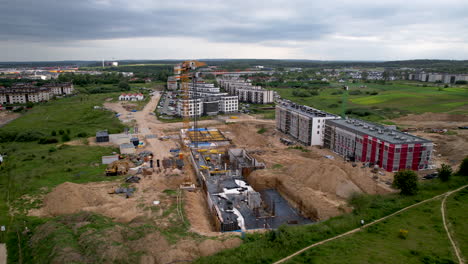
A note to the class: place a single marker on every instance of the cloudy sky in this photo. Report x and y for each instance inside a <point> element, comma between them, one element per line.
<point>276,29</point>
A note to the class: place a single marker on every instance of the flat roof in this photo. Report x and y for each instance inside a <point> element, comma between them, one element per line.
<point>377,131</point>
<point>304,110</point>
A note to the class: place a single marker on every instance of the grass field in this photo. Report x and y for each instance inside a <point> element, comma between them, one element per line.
<point>426,242</point>
<point>32,168</point>
<point>74,113</point>
<point>392,100</point>
<point>427,239</point>
<point>457,208</point>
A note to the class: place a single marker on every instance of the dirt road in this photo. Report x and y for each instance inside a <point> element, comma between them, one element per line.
<point>445,220</point>
<point>3,254</point>
<point>367,225</point>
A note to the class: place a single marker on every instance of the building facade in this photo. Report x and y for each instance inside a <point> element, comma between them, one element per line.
<point>24,94</point>
<point>438,77</point>
<point>306,124</point>
<point>388,148</point>
<point>246,91</point>
<point>172,83</point>
<point>195,107</point>
<point>60,88</point>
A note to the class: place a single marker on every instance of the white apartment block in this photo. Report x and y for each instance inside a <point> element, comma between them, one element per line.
<point>438,77</point>
<point>23,95</point>
<point>229,104</point>
<point>306,124</point>
<point>246,91</point>
<point>195,107</point>
<point>172,83</point>
<point>60,88</point>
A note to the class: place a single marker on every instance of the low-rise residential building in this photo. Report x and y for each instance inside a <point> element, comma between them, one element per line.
<point>246,91</point>
<point>24,94</point>
<point>437,77</point>
<point>306,124</point>
<point>386,147</point>
<point>131,97</point>
<point>60,88</point>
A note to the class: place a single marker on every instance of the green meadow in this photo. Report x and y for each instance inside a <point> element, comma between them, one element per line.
<point>389,101</point>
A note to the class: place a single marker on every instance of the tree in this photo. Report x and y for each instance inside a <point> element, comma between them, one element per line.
<point>124,86</point>
<point>406,181</point>
<point>463,170</point>
<point>364,75</point>
<point>445,171</point>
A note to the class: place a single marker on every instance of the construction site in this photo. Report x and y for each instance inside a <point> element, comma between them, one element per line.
<point>203,183</point>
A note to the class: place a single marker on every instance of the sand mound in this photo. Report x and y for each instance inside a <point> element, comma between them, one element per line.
<point>318,187</point>
<point>68,198</point>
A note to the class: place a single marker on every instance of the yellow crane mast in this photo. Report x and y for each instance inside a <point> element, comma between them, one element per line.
<point>183,70</point>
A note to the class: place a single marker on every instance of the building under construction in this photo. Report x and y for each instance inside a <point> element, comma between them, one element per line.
<point>233,204</point>
<point>204,137</point>
<point>304,123</point>
<point>390,149</point>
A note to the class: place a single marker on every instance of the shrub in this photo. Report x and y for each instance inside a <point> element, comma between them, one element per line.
<point>403,234</point>
<point>28,136</point>
<point>461,82</point>
<point>53,133</point>
<point>82,134</point>
<point>52,149</point>
<point>337,92</point>
<point>48,141</point>
<point>61,132</point>
<point>262,130</point>
<point>406,181</point>
<point>445,171</point>
<point>65,138</point>
<point>463,169</point>
<point>7,136</point>
<point>301,93</point>
<point>355,92</point>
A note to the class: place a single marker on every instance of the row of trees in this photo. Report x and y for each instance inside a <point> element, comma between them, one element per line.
<point>407,180</point>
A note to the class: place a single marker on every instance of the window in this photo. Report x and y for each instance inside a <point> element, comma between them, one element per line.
<point>318,132</point>
<point>410,149</point>
<point>397,150</point>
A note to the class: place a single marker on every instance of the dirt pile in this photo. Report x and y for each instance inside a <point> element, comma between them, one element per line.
<point>68,198</point>
<point>89,238</point>
<point>317,186</point>
<point>246,135</point>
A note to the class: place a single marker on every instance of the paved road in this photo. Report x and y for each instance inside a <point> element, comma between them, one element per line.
<point>455,247</point>
<point>367,225</point>
<point>3,254</point>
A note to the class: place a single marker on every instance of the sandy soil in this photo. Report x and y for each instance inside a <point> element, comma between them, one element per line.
<point>318,186</point>
<point>3,254</point>
<point>433,120</point>
<point>7,116</point>
<point>70,198</point>
<point>449,149</point>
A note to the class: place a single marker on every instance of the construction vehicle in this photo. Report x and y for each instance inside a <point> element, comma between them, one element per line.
<point>118,167</point>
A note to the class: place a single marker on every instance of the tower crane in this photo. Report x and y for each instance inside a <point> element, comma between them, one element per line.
<point>183,72</point>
